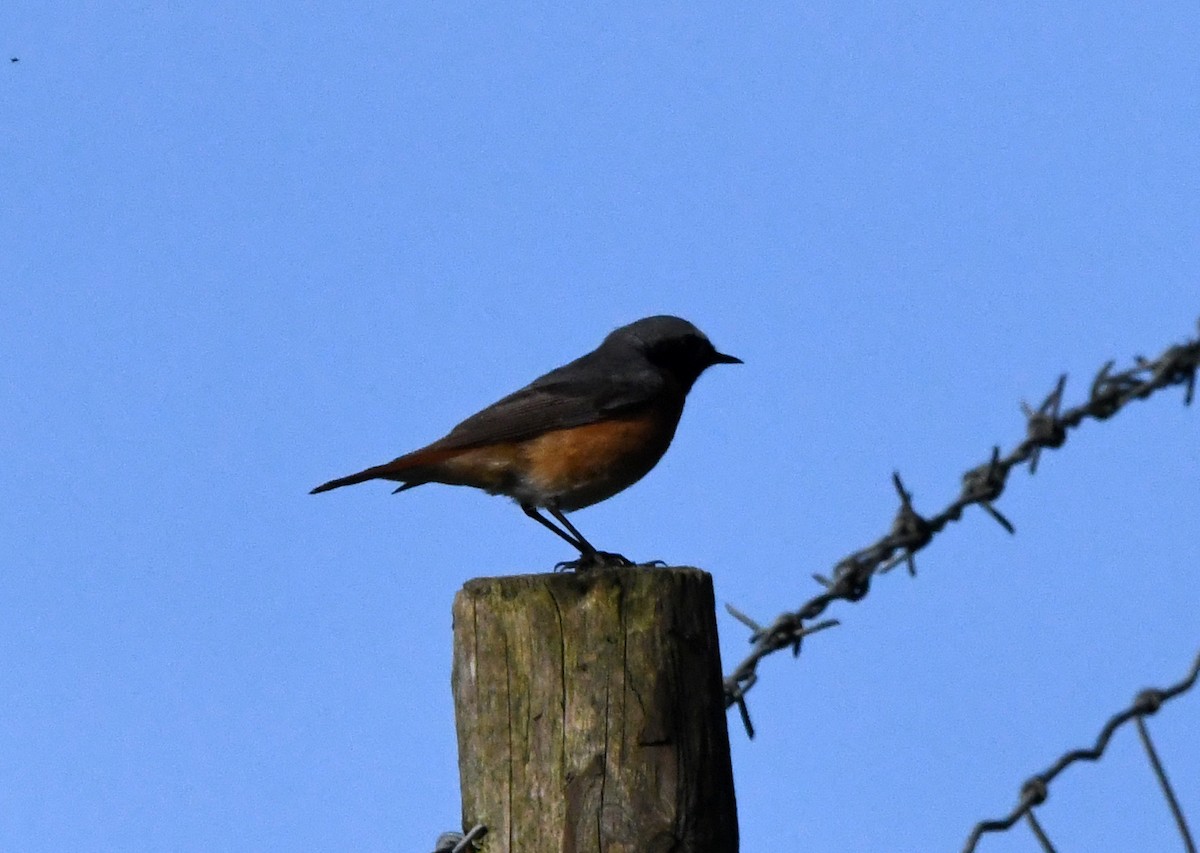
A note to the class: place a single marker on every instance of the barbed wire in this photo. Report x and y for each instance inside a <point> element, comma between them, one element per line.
<point>1035,789</point>
<point>1046,429</point>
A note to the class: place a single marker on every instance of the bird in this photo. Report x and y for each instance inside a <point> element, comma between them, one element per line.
<point>573,437</point>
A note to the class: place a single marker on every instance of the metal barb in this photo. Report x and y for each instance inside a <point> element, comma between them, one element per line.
<point>996,514</point>
<point>756,628</point>
<point>1043,428</point>
<point>1103,399</point>
<point>745,712</point>
<point>910,532</point>
<point>801,633</point>
<point>851,577</point>
<point>468,843</point>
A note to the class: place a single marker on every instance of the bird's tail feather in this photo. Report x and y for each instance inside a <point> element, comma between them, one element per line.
<point>405,469</point>
<point>360,477</point>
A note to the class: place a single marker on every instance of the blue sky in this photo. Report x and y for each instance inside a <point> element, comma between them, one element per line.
<point>248,247</point>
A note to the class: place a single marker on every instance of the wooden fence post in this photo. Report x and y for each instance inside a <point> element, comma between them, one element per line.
<point>590,713</point>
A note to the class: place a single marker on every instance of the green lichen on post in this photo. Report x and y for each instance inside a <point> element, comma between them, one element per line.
<point>590,713</point>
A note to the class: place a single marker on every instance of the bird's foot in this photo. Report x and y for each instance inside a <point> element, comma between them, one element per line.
<point>594,560</point>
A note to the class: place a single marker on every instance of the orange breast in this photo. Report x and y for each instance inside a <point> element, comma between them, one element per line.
<point>580,466</point>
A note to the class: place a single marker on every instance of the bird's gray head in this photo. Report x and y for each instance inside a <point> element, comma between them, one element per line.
<point>673,344</point>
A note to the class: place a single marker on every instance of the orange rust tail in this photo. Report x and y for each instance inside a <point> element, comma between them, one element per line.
<point>404,469</point>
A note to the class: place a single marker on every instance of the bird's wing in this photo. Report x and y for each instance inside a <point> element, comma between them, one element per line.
<point>554,402</point>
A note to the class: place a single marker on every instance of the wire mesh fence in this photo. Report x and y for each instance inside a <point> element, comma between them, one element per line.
<point>1036,788</point>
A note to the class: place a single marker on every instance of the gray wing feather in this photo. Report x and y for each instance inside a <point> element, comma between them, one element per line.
<point>558,400</point>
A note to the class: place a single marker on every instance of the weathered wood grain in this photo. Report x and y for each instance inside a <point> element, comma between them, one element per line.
<point>590,713</point>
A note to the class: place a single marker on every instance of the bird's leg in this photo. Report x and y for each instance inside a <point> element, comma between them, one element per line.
<point>581,544</point>
<point>586,547</point>
<point>589,557</point>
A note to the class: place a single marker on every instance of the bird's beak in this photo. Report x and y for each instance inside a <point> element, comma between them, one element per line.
<point>721,358</point>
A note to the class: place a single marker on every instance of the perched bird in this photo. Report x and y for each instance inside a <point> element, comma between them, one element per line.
<point>574,437</point>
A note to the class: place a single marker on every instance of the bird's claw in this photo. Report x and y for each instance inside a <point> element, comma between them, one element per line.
<point>594,560</point>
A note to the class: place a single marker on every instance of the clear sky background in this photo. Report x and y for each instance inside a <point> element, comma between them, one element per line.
<point>247,247</point>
